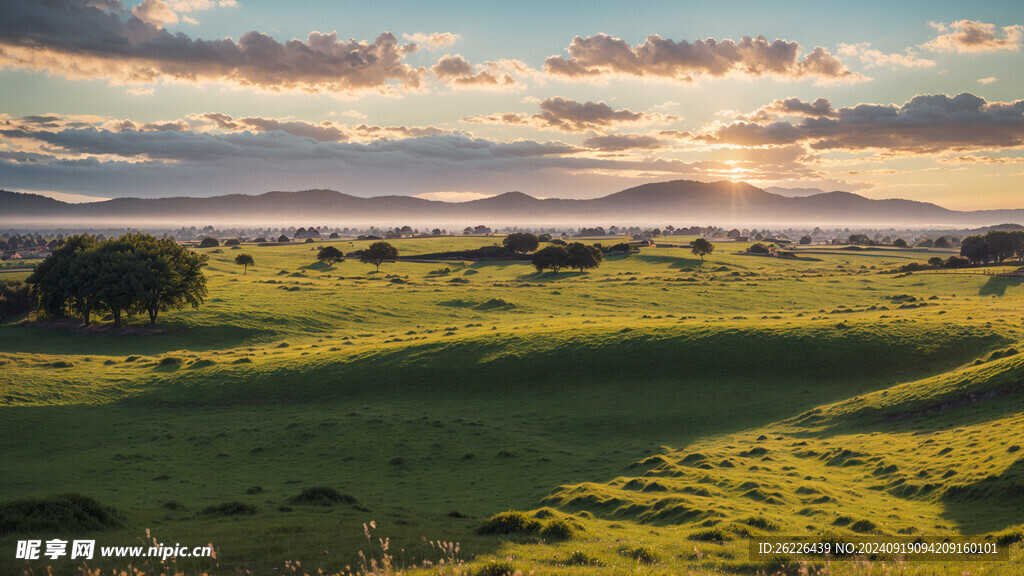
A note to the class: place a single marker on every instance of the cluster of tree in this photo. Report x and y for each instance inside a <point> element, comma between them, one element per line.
<point>996,246</point>
<point>477,230</point>
<point>936,262</point>
<point>132,274</point>
<point>761,248</point>
<point>27,242</point>
<point>575,255</point>
<point>15,299</point>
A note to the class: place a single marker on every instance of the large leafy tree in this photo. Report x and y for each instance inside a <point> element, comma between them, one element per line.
<point>379,253</point>
<point>171,276</point>
<point>60,284</point>
<point>553,257</point>
<point>582,256</point>
<point>521,242</point>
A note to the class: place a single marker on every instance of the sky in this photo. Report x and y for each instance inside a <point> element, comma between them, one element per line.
<point>461,100</point>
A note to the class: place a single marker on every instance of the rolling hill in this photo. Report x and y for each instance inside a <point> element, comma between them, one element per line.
<point>679,202</point>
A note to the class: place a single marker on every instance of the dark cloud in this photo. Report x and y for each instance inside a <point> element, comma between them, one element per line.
<point>567,115</point>
<point>79,38</point>
<point>620,142</point>
<point>925,124</point>
<point>659,57</point>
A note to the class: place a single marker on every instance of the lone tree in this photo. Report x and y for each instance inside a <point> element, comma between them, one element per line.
<point>244,260</point>
<point>378,253</point>
<point>582,256</point>
<point>701,247</point>
<point>282,238</point>
<point>553,257</point>
<point>330,255</point>
<point>521,242</point>
<point>899,243</point>
<point>209,242</point>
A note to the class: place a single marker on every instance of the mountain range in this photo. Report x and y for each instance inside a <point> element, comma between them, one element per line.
<point>679,202</point>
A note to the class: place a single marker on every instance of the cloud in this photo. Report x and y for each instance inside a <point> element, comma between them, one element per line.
<point>155,12</point>
<point>924,124</point>
<point>43,153</point>
<point>872,57</point>
<point>452,196</point>
<point>989,80</point>
<point>83,39</point>
<point>621,142</point>
<point>457,71</point>
<point>140,91</point>
<point>968,36</point>
<point>602,55</point>
<point>433,41</point>
<point>567,115</point>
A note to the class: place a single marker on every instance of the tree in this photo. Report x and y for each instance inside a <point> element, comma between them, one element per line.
<point>544,238</point>
<point>975,249</point>
<point>244,260</point>
<point>378,253</point>
<point>899,243</point>
<point>521,242</point>
<point>582,256</point>
<point>330,255</point>
<point>701,247</point>
<point>209,242</point>
<point>60,285</point>
<point>805,240</point>
<point>935,261</point>
<point>282,238</point>
<point>759,248</point>
<point>232,242</point>
<point>169,275</point>
<point>554,257</point>
<point>1001,245</point>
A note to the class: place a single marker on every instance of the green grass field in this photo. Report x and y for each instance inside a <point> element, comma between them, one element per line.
<point>665,408</point>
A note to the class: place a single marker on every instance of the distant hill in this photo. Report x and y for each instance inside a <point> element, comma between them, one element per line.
<point>794,192</point>
<point>678,202</point>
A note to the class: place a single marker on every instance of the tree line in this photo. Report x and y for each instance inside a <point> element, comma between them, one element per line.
<point>132,274</point>
<point>995,246</point>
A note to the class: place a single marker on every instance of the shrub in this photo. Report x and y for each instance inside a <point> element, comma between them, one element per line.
<point>641,554</point>
<point>235,508</point>
<point>580,558</point>
<point>232,242</point>
<point>511,522</point>
<point>709,535</point>
<point>761,522</point>
<point>66,513</point>
<point>558,529</point>
<point>758,248</point>
<point>322,496</point>
<point>209,242</point>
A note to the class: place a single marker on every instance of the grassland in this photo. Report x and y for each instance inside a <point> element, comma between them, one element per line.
<point>664,407</point>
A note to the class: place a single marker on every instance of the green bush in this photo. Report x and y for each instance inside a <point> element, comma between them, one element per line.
<point>67,513</point>
<point>511,522</point>
<point>235,508</point>
<point>558,530</point>
<point>322,496</point>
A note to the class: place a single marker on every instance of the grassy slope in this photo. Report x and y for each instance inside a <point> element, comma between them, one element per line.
<point>494,407</point>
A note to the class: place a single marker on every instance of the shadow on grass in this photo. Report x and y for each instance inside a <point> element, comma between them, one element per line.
<point>32,339</point>
<point>996,286</point>
<point>671,261</point>
<point>989,505</point>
